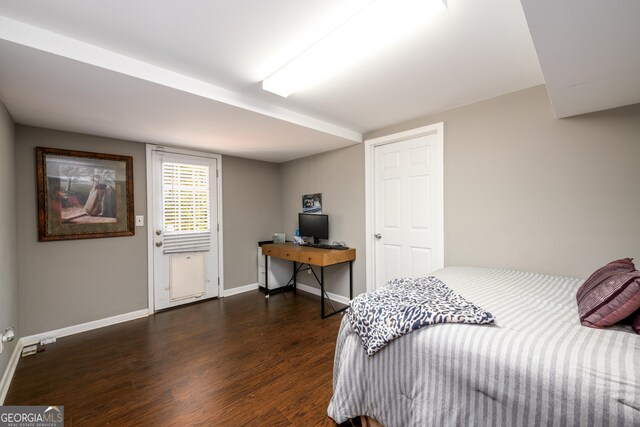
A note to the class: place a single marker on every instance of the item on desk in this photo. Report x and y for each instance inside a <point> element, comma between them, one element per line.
<point>298,240</point>
<point>278,237</point>
<point>334,245</point>
<point>339,245</point>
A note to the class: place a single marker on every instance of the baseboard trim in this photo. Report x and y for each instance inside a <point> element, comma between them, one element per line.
<point>9,371</point>
<point>305,288</point>
<point>316,291</point>
<point>240,290</point>
<point>84,327</point>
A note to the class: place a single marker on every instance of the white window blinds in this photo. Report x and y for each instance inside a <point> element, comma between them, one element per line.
<point>186,209</point>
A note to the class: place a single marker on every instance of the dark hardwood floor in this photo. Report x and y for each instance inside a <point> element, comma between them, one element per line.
<point>233,361</point>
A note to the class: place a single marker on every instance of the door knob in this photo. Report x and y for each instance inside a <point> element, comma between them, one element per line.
<point>158,232</point>
<point>158,244</point>
<point>378,236</point>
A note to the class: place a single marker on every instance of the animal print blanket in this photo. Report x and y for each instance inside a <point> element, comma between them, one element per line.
<point>405,305</point>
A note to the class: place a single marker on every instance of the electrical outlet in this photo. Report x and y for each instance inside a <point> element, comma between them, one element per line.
<point>29,350</point>
<point>47,340</point>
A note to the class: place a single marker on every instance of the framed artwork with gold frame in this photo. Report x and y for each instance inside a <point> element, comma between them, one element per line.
<point>83,195</point>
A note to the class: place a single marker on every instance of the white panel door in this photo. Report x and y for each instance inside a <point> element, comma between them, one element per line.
<point>185,228</point>
<point>408,211</point>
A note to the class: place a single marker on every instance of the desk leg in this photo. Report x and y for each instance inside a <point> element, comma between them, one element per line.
<point>295,273</point>
<point>266,276</point>
<point>350,280</point>
<point>322,292</point>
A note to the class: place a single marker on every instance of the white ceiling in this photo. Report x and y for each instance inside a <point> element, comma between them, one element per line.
<point>589,52</point>
<point>188,73</point>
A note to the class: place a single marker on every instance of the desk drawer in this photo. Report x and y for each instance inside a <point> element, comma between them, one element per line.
<point>307,255</point>
<point>295,253</point>
<point>311,258</point>
<point>282,253</point>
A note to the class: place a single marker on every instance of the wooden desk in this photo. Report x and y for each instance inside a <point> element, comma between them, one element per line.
<point>305,255</point>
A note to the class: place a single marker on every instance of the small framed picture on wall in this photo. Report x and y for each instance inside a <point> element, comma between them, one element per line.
<point>312,203</point>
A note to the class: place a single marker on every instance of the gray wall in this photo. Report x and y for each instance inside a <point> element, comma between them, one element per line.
<point>524,190</point>
<point>8,242</point>
<point>76,281</point>
<point>71,282</point>
<point>339,176</point>
<point>252,211</point>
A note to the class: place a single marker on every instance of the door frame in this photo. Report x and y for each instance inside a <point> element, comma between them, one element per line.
<point>150,235</point>
<point>369,170</point>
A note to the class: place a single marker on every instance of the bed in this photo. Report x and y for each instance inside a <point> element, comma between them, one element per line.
<point>536,366</point>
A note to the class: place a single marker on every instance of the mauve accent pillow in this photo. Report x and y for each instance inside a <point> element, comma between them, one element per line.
<point>610,294</point>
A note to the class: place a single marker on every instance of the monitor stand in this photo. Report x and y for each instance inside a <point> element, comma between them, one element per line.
<point>316,240</point>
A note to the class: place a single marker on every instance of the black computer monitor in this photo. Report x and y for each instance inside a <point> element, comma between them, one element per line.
<point>314,225</point>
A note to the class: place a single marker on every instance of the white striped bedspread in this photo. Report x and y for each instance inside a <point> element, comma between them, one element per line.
<point>537,367</point>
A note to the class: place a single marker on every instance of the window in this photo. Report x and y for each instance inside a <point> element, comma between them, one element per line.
<point>185,195</point>
<point>185,208</point>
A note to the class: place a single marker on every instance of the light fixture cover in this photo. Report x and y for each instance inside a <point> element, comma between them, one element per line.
<point>381,23</point>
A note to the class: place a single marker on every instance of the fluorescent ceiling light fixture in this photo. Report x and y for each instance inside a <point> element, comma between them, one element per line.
<point>380,24</point>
